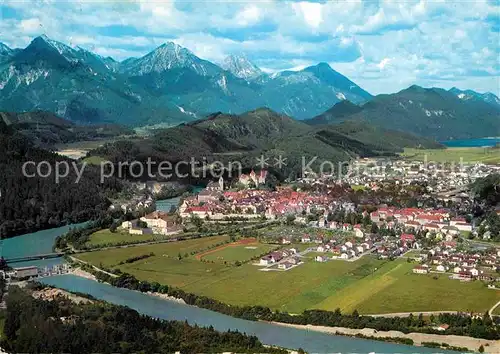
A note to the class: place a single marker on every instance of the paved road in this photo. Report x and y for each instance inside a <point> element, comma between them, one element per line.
<point>93,266</point>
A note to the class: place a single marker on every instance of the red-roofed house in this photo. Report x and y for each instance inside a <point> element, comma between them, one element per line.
<point>407,238</point>
<point>431,227</point>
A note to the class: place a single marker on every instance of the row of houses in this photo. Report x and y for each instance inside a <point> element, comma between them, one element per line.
<point>436,222</point>
<point>462,265</point>
<point>215,203</point>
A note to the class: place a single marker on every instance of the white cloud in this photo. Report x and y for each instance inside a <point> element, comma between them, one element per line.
<point>248,16</point>
<point>383,63</point>
<point>31,26</point>
<point>311,12</point>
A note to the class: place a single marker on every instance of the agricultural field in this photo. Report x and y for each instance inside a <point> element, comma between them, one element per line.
<point>489,155</point>
<point>368,284</point>
<point>237,252</point>
<point>106,237</point>
<point>110,258</point>
<point>394,288</point>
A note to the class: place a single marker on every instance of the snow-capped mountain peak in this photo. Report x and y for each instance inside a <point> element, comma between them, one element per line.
<point>170,56</point>
<point>4,49</point>
<point>241,67</point>
<point>466,95</point>
<point>63,49</point>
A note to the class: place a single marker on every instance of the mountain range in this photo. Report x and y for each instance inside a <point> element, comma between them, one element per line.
<point>434,113</point>
<point>171,85</point>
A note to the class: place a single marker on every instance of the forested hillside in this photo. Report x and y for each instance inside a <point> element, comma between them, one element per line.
<point>245,137</point>
<point>30,204</point>
<point>46,129</point>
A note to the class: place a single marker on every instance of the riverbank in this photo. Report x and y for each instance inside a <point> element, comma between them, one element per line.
<point>52,293</point>
<point>490,346</point>
<point>81,273</point>
<point>84,274</point>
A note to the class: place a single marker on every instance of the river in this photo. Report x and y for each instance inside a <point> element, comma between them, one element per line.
<point>314,342</point>
<point>167,204</point>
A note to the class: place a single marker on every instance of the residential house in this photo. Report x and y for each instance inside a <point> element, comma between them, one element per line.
<point>285,265</point>
<point>321,258</point>
<point>420,270</point>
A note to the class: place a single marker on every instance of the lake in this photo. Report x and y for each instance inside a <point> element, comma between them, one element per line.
<point>471,142</point>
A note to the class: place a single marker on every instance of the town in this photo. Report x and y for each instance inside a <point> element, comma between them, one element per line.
<point>436,237</point>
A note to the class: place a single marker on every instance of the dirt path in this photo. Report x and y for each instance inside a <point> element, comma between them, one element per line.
<point>490,312</point>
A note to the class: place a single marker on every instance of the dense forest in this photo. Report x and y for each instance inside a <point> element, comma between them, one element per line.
<point>38,326</point>
<point>486,193</point>
<point>30,204</point>
<point>460,324</point>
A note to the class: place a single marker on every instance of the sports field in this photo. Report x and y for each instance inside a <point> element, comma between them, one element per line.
<point>368,284</point>
<point>467,155</point>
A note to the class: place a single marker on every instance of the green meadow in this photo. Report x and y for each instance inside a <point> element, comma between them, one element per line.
<point>369,285</point>
<point>488,155</point>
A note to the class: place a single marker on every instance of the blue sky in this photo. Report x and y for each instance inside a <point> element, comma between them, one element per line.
<point>384,46</point>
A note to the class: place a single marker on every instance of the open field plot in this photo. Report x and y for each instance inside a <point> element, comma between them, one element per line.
<point>238,251</point>
<point>467,155</point>
<point>106,237</point>
<point>368,284</point>
<point>295,290</point>
<point>110,258</point>
<point>394,288</point>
